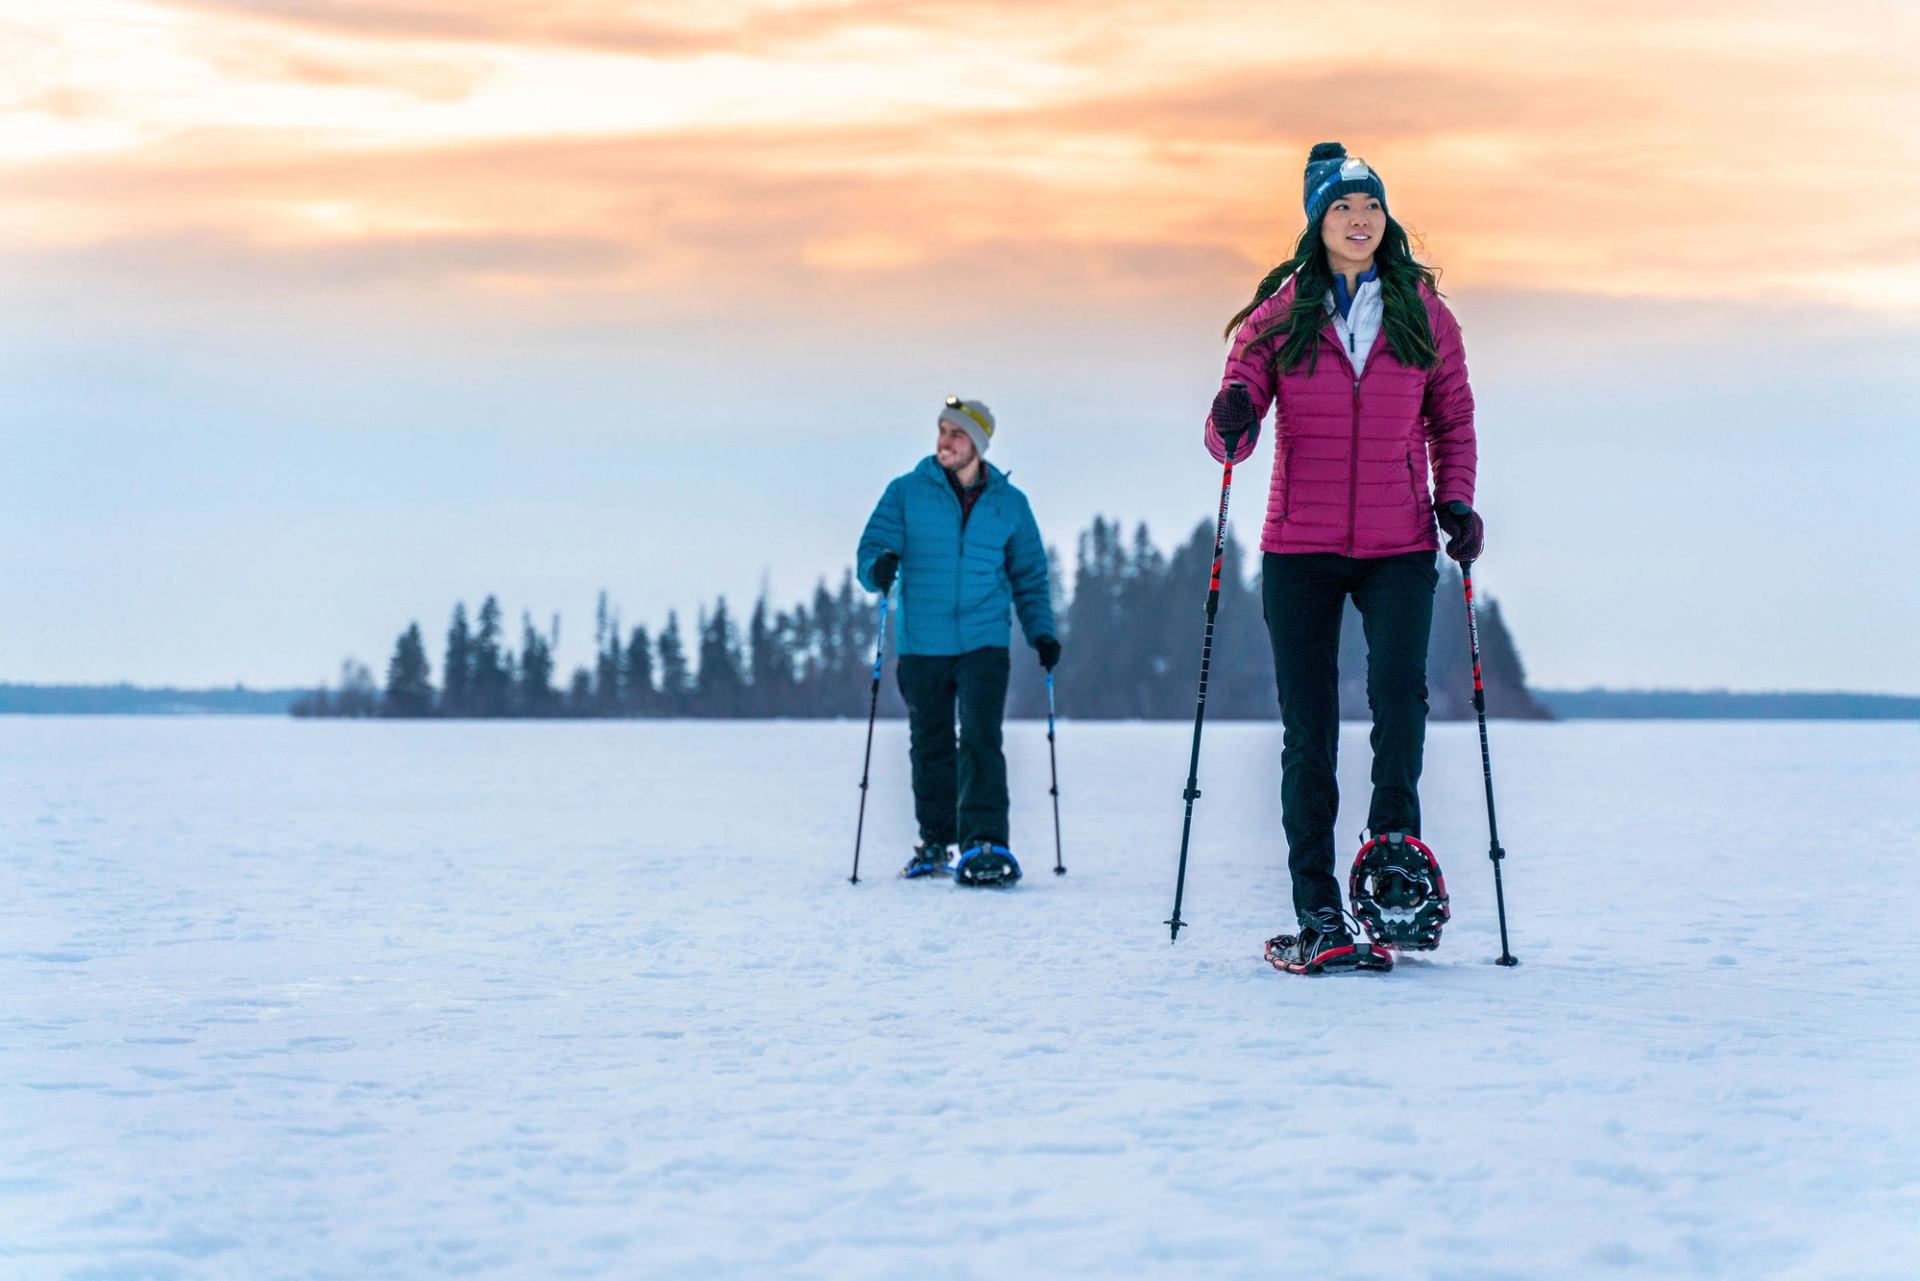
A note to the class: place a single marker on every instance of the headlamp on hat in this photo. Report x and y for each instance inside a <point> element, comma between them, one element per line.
<point>971,417</point>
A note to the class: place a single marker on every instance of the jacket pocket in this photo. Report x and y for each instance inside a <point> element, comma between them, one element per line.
<point>1286,475</point>
<point>1422,501</point>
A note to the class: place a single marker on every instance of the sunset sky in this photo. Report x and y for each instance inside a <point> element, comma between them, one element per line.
<point>315,317</point>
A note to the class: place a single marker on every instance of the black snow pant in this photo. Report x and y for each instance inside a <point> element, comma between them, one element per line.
<point>959,788</point>
<point>1304,596</point>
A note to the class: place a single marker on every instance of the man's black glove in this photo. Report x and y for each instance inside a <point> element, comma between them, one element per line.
<point>1466,535</point>
<point>1233,415</point>
<point>884,568</point>
<point>1049,650</point>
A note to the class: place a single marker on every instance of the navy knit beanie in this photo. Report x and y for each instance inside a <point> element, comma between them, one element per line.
<point>1332,174</point>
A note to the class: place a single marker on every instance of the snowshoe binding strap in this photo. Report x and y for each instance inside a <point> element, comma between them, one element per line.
<point>1319,950</point>
<point>1398,893</point>
<point>928,860</point>
<point>985,865</point>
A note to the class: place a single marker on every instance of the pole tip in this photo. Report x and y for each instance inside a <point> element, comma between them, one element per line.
<point>853,880</point>
<point>1508,961</point>
<point>1059,871</point>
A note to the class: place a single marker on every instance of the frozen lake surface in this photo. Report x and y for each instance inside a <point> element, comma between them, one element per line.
<point>333,1000</point>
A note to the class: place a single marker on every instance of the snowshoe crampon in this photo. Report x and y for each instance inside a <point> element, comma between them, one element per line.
<point>986,866</point>
<point>1398,893</point>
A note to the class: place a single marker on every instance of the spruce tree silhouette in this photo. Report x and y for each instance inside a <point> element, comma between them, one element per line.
<point>409,679</point>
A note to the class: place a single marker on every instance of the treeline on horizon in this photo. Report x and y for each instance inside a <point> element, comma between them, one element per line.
<point>1131,629</point>
<point>125,699</point>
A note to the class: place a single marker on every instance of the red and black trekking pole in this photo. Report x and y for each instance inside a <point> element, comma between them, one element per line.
<point>1494,851</point>
<point>1206,664</point>
<point>1053,768</point>
<point>873,706</point>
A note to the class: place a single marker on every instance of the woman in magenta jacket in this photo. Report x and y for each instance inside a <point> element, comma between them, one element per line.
<point>1373,439</point>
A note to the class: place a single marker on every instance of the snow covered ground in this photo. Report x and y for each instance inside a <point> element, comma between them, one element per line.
<point>596,1000</point>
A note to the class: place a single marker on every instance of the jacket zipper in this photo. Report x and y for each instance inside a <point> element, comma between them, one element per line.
<point>1353,476</point>
<point>960,543</point>
<point>960,552</point>
<point>1353,469</point>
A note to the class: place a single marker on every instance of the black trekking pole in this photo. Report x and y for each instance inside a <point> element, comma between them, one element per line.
<point>1494,851</point>
<point>1206,664</point>
<point>873,705</point>
<point>1053,768</point>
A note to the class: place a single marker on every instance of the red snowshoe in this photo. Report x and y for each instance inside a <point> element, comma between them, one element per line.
<point>1317,949</point>
<point>1398,893</point>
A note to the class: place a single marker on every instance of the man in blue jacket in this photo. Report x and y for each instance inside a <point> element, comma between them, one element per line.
<point>963,543</point>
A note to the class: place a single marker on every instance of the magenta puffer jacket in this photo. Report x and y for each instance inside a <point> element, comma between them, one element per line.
<point>1351,457</point>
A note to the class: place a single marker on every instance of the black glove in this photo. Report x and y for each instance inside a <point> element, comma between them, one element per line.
<point>1049,650</point>
<point>1466,534</point>
<point>1233,415</point>
<point>884,569</point>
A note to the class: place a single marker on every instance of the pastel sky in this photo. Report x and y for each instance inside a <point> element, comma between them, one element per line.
<point>316,317</point>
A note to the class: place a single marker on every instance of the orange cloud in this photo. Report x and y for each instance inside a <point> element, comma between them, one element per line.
<point>1533,152</point>
<point>428,79</point>
<point>610,26</point>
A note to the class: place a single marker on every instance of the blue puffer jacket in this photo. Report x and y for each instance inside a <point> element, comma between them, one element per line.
<point>955,586</point>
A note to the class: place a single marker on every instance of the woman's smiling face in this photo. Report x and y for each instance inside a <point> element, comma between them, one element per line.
<point>1351,231</point>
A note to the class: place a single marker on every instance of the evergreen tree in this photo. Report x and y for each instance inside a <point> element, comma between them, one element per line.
<point>1501,670</point>
<point>457,673</point>
<point>1147,631</point>
<point>676,680</point>
<point>769,662</point>
<point>536,696</point>
<point>636,678</point>
<point>827,639</point>
<point>856,616</point>
<point>1096,689</point>
<point>719,688</point>
<point>1164,604</point>
<point>409,679</point>
<point>606,675</point>
<point>798,631</point>
<point>491,681</point>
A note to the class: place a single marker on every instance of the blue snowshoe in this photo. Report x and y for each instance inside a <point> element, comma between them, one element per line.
<point>929,859</point>
<point>986,865</point>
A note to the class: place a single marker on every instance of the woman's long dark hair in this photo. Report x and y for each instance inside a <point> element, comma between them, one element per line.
<point>1409,336</point>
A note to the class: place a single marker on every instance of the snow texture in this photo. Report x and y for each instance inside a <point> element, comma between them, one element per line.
<point>338,1000</point>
